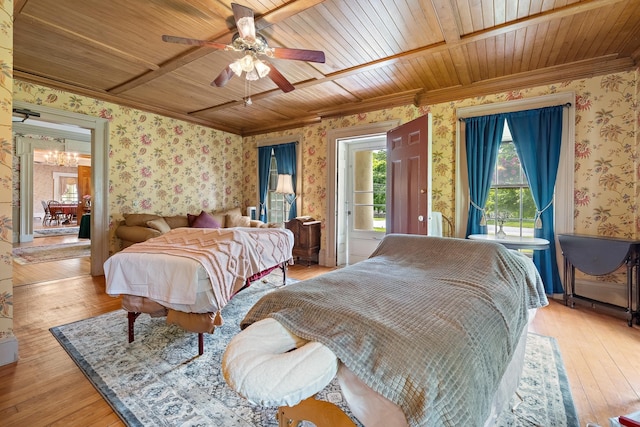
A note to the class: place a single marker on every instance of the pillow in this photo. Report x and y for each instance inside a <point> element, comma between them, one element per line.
<point>176,221</point>
<point>191,218</point>
<point>204,220</point>
<point>221,217</point>
<point>159,224</point>
<point>238,221</point>
<point>139,219</point>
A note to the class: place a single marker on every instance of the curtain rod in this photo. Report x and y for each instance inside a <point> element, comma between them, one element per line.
<point>566,105</point>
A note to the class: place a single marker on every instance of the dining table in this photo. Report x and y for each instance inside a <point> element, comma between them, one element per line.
<point>68,211</point>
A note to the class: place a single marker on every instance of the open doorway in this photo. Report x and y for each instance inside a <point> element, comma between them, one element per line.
<point>334,252</point>
<point>23,214</point>
<point>363,219</point>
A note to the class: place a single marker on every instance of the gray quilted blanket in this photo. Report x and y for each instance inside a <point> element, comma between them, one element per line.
<point>430,323</point>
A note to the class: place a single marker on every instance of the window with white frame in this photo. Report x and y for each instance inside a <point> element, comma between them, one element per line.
<point>510,206</point>
<point>276,203</point>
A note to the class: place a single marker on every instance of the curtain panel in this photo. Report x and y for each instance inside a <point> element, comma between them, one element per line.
<point>537,136</point>
<point>482,139</point>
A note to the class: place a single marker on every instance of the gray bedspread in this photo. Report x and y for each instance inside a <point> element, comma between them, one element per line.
<point>430,323</point>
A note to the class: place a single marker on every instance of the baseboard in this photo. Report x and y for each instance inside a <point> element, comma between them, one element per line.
<point>8,350</point>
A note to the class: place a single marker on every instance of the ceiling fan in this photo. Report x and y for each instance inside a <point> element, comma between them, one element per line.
<point>254,45</point>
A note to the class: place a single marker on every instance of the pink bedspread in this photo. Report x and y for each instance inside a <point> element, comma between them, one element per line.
<point>229,256</point>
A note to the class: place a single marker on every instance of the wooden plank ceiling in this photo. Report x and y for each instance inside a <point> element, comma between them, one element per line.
<point>379,53</point>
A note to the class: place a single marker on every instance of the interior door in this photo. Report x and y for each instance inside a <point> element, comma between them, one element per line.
<point>409,177</point>
<point>84,187</point>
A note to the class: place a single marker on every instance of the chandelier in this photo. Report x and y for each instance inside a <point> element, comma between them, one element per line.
<point>61,158</point>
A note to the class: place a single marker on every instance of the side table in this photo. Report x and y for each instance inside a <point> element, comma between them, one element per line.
<point>597,256</point>
<point>306,238</point>
<point>514,242</point>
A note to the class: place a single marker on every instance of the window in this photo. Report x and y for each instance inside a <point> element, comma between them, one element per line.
<point>510,203</point>
<point>277,206</point>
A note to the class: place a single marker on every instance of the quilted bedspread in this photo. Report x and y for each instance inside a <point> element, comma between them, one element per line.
<point>229,256</point>
<point>430,323</point>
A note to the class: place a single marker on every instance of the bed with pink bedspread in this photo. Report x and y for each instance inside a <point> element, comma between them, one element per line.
<point>190,274</point>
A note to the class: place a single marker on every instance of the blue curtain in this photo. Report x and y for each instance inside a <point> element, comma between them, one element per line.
<point>537,136</point>
<point>287,161</point>
<point>264,164</point>
<point>483,137</point>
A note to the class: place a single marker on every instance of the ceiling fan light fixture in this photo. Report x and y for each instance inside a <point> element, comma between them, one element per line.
<point>247,63</point>
<point>261,68</point>
<point>252,76</point>
<point>236,67</point>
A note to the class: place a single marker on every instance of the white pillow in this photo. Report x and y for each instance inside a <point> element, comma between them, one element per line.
<point>159,224</point>
<point>238,221</point>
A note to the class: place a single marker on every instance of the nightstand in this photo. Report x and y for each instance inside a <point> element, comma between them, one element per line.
<point>306,235</point>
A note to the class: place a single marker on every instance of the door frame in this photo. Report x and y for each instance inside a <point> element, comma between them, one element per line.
<point>352,146</point>
<point>335,183</point>
<point>99,172</point>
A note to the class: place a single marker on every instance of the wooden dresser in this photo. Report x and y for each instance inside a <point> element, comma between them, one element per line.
<point>306,234</point>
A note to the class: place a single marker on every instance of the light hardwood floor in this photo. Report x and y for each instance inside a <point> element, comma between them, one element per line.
<point>45,387</point>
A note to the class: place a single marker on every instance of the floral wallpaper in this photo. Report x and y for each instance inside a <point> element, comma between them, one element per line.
<point>6,159</point>
<point>607,152</point>
<point>157,164</point>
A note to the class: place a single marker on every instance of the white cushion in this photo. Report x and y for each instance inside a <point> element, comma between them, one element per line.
<point>259,365</point>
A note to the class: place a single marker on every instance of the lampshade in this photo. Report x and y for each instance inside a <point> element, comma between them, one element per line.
<point>261,68</point>
<point>285,184</point>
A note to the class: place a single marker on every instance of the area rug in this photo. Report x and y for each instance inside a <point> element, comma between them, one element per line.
<point>58,231</point>
<point>158,380</point>
<point>46,253</point>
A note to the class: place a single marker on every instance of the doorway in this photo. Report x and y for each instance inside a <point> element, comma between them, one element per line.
<point>363,218</point>
<point>99,131</point>
<point>335,225</point>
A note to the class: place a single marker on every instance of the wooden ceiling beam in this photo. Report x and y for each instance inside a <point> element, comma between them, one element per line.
<point>408,97</point>
<point>577,70</point>
<point>285,125</point>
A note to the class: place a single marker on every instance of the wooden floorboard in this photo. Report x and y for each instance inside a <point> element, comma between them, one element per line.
<point>45,387</point>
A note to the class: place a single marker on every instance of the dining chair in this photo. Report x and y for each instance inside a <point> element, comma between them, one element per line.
<point>46,219</point>
<point>57,214</point>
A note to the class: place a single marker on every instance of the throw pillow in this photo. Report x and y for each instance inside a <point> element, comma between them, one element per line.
<point>191,218</point>
<point>159,224</point>
<point>204,220</point>
<point>238,221</point>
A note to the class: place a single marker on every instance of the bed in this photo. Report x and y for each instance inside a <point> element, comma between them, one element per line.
<point>190,274</point>
<point>427,331</point>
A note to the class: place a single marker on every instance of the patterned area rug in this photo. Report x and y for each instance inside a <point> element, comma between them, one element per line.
<point>47,253</point>
<point>158,380</point>
<point>59,231</point>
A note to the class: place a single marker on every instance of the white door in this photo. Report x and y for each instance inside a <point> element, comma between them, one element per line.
<point>365,186</point>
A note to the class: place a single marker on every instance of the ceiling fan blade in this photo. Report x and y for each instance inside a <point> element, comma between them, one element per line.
<point>297,54</point>
<point>244,21</point>
<point>224,76</point>
<point>280,80</point>
<point>193,42</point>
